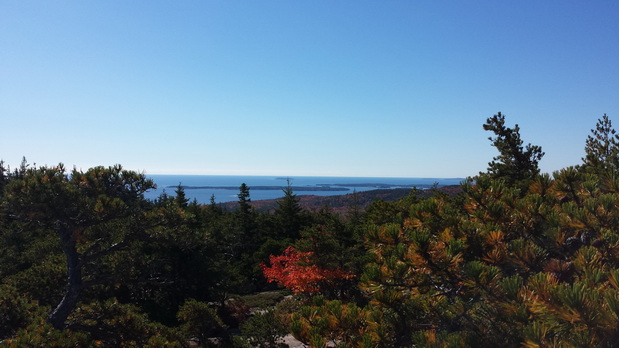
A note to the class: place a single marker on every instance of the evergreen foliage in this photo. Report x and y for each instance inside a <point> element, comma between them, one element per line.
<point>244,200</point>
<point>289,214</point>
<point>88,212</point>
<point>199,321</point>
<point>263,330</point>
<point>180,198</point>
<point>602,147</point>
<point>517,259</point>
<point>515,163</point>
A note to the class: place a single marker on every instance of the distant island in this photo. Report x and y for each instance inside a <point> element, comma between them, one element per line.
<point>265,188</point>
<point>317,188</point>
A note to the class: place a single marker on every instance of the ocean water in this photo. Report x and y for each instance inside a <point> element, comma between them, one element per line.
<point>225,188</point>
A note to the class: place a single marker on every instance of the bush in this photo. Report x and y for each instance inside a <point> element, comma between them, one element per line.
<point>199,321</point>
<point>233,312</point>
<point>264,300</point>
<point>16,311</point>
<point>263,329</point>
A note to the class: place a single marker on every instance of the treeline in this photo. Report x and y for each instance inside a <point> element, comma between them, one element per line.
<point>517,258</point>
<point>344,204</point>
<point>85,260</point>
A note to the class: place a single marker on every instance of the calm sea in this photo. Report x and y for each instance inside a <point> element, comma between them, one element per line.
<point>226,187</point>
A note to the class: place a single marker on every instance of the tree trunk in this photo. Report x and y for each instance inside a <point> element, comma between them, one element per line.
<point>59,315</point>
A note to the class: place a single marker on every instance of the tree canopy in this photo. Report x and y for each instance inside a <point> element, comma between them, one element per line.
<point>515,258</point>
<point>515,163</point>
<point>602,147</point>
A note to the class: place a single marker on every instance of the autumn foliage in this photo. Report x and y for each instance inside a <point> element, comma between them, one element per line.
<point>294,270</point>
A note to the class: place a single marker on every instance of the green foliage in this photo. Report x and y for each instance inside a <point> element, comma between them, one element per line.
<point>264,300</point>
<point>514,163</point>
<point>517,259</point>
<point>520,259</point>
<point>107,324</point>
<point>323,323</point>
<point>288,214</point>
<point>381,212</point>
<point>93,213</point>
<point>180,198</point>
<point>44,280</point>
<point>244,200</point>
<point>4,175</point>
<point>42,334</point>
<point>16,311</point>
<point>602,147</point>
<point>199,321</point>
<point>263,329</point>
<point>334,245</point>
<point>120,325</point>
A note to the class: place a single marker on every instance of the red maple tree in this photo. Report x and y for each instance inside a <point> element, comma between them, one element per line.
<point>294,270</point>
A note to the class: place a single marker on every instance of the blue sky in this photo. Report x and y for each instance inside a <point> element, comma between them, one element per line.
<point>344,88</point>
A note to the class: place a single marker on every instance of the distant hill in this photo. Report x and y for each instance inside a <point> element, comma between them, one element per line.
<point>342,203</point>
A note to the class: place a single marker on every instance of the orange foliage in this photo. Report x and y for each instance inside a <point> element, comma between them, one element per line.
<point>294,271</point>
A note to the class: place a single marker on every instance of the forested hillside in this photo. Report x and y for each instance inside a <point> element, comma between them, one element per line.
<point>516,258</point>
<point>343,204</point>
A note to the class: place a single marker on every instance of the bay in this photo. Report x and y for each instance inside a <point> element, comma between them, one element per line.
<point>226,187</point>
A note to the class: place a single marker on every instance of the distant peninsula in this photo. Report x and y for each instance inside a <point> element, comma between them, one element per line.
<point>377,185</point>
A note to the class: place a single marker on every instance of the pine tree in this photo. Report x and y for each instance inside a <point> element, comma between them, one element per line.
<point>288,213</point>
<point>515,163</point>
<point>94,214</point>
<point>246,216</point>
<point>602,147</point>
<point>4,176</point>
<point>181,199</point>
<point>213,207</point>
<point>244,199</point>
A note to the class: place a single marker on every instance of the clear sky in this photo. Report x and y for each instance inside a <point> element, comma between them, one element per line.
<point>320,87</point>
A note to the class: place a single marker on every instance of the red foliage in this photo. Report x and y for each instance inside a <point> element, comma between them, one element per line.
<point>294,271</point>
